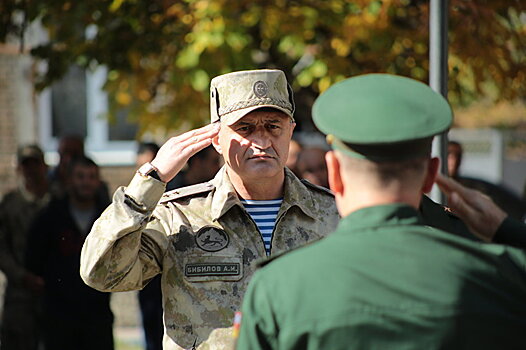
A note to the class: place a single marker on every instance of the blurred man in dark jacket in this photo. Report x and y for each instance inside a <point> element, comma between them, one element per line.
<point>76,316</point>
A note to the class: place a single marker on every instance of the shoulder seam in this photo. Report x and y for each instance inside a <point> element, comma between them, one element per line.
<point>182,192</point>
<point>317,188</point>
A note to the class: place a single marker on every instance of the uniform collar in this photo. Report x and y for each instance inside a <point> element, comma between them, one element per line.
<point>395,214</point>
<point>295,194</point>
<point>225,196</point>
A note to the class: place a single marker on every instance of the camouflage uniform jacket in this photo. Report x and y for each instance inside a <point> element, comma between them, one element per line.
<point>17,210</point>
<point>202,241</point>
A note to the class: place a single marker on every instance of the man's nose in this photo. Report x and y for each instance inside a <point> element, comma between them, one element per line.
<point>261,138</point>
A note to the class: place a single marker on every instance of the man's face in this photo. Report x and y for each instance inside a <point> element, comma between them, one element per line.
<point>209,164</point>
<point>294,151</point>
<point>312,166</point>
<point>33,170</point>
<point>257,145</point>
<point>70,148</point>
<point>144,157</point>
<point>454,156</point>
<point>84,182</point>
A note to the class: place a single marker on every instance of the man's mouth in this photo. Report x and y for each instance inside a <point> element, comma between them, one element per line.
<point>261,156</point>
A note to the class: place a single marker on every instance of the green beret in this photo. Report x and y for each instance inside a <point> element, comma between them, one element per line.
<point>381,109</point>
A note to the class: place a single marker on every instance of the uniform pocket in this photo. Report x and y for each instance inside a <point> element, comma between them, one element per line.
<point>205,268</point>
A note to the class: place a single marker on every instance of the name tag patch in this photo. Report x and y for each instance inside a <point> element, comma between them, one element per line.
<point>212,269</point>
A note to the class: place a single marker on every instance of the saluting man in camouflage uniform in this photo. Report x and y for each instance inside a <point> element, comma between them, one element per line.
<point>201,238</point>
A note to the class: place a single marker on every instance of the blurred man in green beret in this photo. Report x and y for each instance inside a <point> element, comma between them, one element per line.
<point>384,279</point>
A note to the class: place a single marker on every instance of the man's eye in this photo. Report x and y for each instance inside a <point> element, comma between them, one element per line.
<point>243,129</point>
<point>273,126</point>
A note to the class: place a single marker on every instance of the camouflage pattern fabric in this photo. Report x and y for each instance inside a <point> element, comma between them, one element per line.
<point>203,242</point>
<point>235,94</point>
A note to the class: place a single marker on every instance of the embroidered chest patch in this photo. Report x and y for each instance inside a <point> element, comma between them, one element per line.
<point>211,239</point>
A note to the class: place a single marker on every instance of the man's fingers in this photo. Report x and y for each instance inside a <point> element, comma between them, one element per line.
<point>443,183</point>
<point>450,186</point>
<point>174,154</point>
<point>192,147</point>
<point>210,129</point>
<point>477,210</point>
<point>206,137</point>
<point>460,207</point>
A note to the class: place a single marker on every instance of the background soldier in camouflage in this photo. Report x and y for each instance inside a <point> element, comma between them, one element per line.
<point>201,238</point>
<point>20,330</point>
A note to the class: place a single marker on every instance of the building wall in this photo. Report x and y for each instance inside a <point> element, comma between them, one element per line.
<point>8,113</point>
<point>17,121</point>
<point>487,156</point>
<point>116,176</point>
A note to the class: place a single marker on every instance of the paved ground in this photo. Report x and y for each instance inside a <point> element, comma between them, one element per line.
<point>128,338</point>
<point>127,327</point>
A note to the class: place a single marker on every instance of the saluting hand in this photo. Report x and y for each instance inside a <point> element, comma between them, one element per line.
<point>174,154</point>
<point>479,213</point>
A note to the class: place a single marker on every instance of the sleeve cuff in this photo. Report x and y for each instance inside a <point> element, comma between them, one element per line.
<point>511,232</point>
<point>145,190</point>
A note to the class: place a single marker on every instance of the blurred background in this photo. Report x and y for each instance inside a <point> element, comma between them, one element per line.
<point>120,72</point>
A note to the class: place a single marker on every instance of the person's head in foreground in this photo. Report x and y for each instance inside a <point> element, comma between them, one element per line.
<point>381,128</point>
<point>384,279</point>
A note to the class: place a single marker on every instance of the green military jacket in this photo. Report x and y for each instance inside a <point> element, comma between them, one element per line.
<point>203,243</point>
<point>384,280</point>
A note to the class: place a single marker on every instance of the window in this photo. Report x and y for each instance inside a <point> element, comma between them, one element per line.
<point>68,104</point>
<point>78,105</point>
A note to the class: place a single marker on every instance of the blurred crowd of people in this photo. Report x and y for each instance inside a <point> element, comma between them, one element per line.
<point>42,228</point>
<point>43,224</point>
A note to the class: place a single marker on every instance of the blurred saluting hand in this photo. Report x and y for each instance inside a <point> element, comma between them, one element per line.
<point>479,213</point>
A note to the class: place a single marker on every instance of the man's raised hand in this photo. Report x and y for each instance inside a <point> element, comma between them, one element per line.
<point>479,213</point>
<point>174,154</point>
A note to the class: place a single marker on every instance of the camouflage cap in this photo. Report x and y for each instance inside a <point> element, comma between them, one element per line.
<point>373,111</point>
<point>29,152</point>
<point>234,95</point>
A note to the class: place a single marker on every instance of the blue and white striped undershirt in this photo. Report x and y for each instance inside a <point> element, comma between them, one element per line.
<point>264,213</point>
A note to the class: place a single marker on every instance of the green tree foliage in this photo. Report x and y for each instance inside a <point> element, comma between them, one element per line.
<point>161,54</point>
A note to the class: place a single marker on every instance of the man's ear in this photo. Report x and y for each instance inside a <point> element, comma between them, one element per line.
<point>334,175</point>
<point>431,174</point>
<point>292,126</point>
<point>215,143</point>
